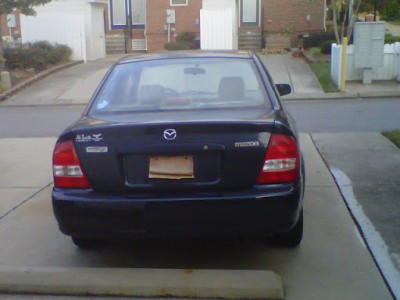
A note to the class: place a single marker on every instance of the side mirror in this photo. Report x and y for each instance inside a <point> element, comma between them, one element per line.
<point>283,89</point>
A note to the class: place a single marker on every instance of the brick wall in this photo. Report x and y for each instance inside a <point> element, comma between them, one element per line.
<point>15,32</point>
<point>279,15</point>
<point>186,17</point>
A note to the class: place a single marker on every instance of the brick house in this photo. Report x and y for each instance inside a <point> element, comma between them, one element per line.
<point>249,21</point>
<point>149,22</point>
<point>219,24</point>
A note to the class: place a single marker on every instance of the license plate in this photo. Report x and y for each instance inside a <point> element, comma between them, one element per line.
<point>171,167</point>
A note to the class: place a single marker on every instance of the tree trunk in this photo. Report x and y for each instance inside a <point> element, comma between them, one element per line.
<point>334,7</point>
<point>344,21</point>
<point>351,24</point>
<point>335,27</point>
<point>1,39</point>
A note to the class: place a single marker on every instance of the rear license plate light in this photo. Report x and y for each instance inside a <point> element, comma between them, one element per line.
<point>171,167</point>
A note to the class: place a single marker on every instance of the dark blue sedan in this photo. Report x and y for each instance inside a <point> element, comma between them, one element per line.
<point>181,145</point>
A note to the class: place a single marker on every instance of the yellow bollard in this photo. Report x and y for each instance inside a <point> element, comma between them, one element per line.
<point>343,66</point>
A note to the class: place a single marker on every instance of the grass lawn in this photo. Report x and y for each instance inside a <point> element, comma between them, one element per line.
<point>323,72</point>
<point>393,136</point>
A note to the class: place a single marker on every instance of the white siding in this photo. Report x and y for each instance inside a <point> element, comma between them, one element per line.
<point>76,23</point>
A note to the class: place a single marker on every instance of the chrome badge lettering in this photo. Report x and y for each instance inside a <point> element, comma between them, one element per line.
<point>88,138</point>
<point>97,149</point>
<point>97,137</point>
<point>246,144</point>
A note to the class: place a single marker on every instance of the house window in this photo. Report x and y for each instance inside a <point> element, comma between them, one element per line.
<point>120,9</point>
<point>118,12</point>
<point>138,12</point>
<point>179,2</point>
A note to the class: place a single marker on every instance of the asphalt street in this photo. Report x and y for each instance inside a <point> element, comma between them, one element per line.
<point>311,117</point>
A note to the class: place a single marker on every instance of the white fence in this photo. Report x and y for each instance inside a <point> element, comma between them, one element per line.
<point>216,29</point>
<point>389,71</point>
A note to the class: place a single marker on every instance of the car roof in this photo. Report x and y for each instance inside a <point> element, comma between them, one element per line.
<point>186,54</point>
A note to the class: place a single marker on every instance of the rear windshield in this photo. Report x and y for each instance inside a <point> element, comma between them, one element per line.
<point>181,84</point>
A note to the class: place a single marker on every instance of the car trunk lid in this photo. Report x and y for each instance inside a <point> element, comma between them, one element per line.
<point>213,154</point>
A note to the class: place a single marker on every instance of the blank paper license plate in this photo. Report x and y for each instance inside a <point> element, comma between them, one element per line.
<point>171,167</point>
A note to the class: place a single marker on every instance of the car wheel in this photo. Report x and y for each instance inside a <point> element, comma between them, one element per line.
<point>84,243</point>
<point>292,237</point>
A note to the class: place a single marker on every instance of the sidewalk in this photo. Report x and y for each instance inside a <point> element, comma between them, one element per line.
<point>72,86</point>
<point>295,71</point>
<point>76,85</point>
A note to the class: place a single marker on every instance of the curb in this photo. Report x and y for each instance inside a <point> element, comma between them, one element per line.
<point>226,284</point>
<point>35,78</point>
<point>341,96</point>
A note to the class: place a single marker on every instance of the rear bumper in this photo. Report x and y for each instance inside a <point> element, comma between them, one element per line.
<point>257,211</point>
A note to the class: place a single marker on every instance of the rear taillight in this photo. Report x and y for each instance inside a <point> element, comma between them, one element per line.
<point>282,161</point>
<point>67,171</point>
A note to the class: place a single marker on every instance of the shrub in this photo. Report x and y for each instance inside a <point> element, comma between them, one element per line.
<point>390,39</point>
<point>326,47</point>
<point>315,51</point>
<point>174,46</point>
<point>42,45</point>
<point>60,53</point>
<point>391,10</point>
<point>39,56</point>
<point>186,37</point>
<point>316,39</point>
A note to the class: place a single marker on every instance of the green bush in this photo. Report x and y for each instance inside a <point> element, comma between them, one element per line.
<point>315,51</point>
<point>174,46</point>
<point>326,47</point>
<point>391,10</point>
<point>60,53</point>
<point>39,55</point>
<point>316,39</point>
<point>390,39</point>
<point>42,45</point>
<point>186,37</point>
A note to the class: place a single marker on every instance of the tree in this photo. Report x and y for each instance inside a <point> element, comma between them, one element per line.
<point>343,15</point>
<point>390,10</point>
<point>25,6</point>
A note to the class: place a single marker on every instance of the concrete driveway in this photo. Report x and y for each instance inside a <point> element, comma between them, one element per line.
<point>331,263</point>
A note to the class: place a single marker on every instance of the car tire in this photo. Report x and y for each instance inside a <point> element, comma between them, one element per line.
<point>84,243</point>
<point>293,237</point>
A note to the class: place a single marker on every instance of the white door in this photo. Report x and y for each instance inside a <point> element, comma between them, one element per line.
<point>216,29</point>
<point>98,38</point>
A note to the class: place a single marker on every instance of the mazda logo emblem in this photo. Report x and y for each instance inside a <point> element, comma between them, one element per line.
<point>170,134</point>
